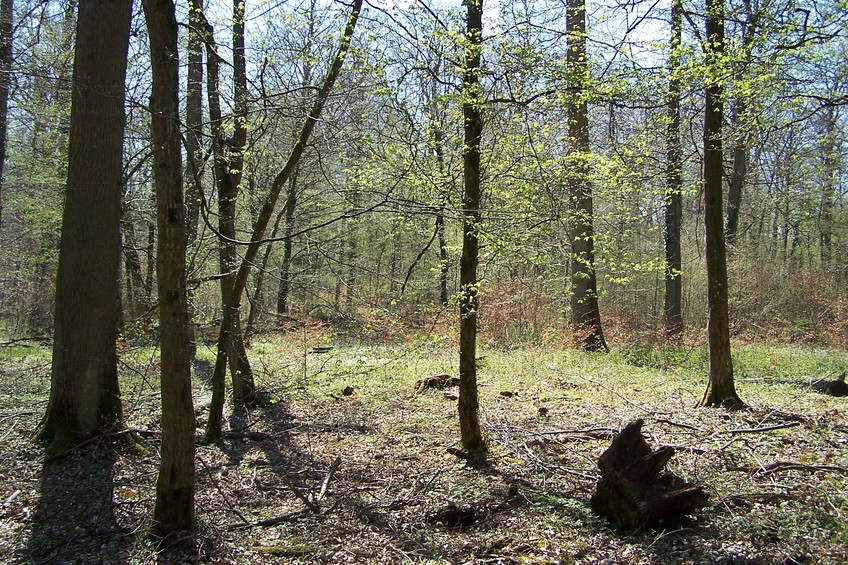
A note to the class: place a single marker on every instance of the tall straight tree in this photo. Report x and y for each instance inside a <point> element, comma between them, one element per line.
<point>720,388</point>
<point>472,106</point>
<point>585,312</point>
<point>84,392</point>
<point>173,510</point>
<point>674,182</point>
<point>6,16</point>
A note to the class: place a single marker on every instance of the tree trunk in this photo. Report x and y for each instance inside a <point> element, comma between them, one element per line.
<point>830,152</point>
<point>194,119</point>
<point>6,17</point>
<point>283,295</point>
<point>740,169</point>
<point>469,423</point>
<point>213,427</point>
<point>674,185</point>
<point>720,389</point>
<point>585,313</point>
<point>173,509</point>
<point>84,392</point>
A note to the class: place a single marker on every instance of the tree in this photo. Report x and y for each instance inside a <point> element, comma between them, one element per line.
<point>213,425</point>
<point>84,392</point>
<point>472,105</point>
<point>720,388</point>
<point>674,183</point>
<point>174,507</point>
<point>6,15</point>
<point>585,313</point>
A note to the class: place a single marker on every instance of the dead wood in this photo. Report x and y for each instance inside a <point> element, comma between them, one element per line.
<point>634,489</point>
<point>836,387</point>
<point>435,382</point>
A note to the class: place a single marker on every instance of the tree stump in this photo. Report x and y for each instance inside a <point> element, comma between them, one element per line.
<point>833,388</point>
<point>634,491</point>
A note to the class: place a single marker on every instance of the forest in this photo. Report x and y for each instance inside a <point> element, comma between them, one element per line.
<point>540,281</point>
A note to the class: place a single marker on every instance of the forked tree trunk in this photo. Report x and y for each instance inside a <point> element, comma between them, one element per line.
<point>585,311</point>
<point>214,424</point>
<point>84,391</point>
<point>469,423</point>
<point>173,509</point>
<point>674,184</point>
<point>720,388</point>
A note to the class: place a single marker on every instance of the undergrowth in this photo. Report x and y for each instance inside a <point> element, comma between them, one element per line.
<point>777,474</point>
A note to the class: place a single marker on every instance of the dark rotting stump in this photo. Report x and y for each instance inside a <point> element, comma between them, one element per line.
<point>635,491</point>
<point>836,387</point>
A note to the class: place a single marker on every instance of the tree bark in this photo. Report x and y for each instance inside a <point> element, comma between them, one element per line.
<point>585,312</point>
<point>469,423</point>
<point>194,118</point>
<point>214,424</point>
<point>84,392</point>
<point>674,184</point>
<point>720,388</point>
<point>173,510</point>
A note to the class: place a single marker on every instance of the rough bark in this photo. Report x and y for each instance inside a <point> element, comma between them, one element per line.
<point>213,427</point>
<point>173,510</point>
<point>634,490</point>
<point>720,388</point>
<point>194,118</point>
<point>585,311</point>
<point>84,392</point>
<point>469,423</point>
<point>674,185</point>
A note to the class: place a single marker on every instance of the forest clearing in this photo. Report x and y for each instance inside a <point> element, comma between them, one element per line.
<point>545,281</point>
<point>776,474</point>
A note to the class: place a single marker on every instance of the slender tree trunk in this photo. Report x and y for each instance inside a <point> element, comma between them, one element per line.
<point>674,184</point>
<point>214,424</point>
<point>6,57</point>
<point>444,265</point>
<point>84,392</point>
<point>739,172</point>
<point>286,265</point>
<point>173,509</point>
<point>469,423</point>
<point>830,151</point>
<point>720,388</point>
<point>194,118</point>
<point>585,312</point>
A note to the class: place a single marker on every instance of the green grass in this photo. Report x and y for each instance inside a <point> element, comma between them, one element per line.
<point>395,470</point>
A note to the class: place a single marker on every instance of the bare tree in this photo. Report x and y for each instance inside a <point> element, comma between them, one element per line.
<point>173,510</point>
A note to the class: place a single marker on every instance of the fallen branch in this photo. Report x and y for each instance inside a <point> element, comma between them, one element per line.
<point>764,428</point>
<point>334,466</point>
<point>788,466</point>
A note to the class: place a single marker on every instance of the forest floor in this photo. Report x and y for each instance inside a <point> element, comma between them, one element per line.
<point>776,474</point>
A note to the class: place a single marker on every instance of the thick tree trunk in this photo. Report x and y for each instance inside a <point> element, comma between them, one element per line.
<point>469,423</point>
<point>6,17</point>
<point>173,510</point>
<point>674,185</point>
<point>214,424</point>
<point>720,388</point>
<point>585,312</point>
<point>84,392</point>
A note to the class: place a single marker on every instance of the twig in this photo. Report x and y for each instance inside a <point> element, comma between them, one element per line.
<point>235,510</point>
<point>763,429</point>
<point>334,466</point>
<point>268,522</point>
<point>676,424</point>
